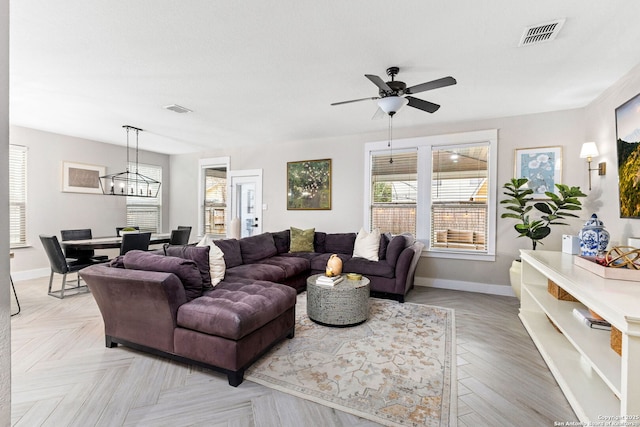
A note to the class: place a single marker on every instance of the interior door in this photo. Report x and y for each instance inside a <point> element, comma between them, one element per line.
<point>246,200</point>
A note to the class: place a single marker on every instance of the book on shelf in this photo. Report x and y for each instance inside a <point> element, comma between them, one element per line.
<point>326,280</point>
<point>585,316</point>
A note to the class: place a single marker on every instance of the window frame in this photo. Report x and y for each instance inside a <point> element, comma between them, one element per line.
<point>424,146</point>
<point>145,201</point>
<point>23,220</point>
<point>203,165</point>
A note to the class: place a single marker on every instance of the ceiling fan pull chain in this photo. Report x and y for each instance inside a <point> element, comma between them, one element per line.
<point>390,139</point>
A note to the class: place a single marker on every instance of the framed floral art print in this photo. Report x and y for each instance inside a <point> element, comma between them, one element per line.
<point>542,166</point>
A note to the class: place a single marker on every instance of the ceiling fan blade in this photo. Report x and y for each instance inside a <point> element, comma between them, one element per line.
<point>355,100</point>
<point>423,105</point>
<point>378,114</point>
<point>379,82</point>
<point>434,84</point>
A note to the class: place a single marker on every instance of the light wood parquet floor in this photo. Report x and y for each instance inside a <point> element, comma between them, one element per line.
<point>63,375</point>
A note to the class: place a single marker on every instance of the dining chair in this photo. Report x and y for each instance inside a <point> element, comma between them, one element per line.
<point>180,236</point>
<point>119,229</point>
<point>61,265</point>
<point>80,254</point>
<point>133,241</point>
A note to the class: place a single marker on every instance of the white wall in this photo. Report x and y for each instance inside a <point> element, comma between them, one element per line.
<point>565,128</point>
<point>5,305</point>
<point>600,127</point>
<point>50,210</point>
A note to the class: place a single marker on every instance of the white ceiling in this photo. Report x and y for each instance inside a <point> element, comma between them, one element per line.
<point>263,72</point>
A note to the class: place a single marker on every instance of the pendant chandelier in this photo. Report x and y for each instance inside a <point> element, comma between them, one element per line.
<point>132,184</point>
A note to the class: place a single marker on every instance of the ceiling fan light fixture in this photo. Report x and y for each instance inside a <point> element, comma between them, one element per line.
<point>392,104</point>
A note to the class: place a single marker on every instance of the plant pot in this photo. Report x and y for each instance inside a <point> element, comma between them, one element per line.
<point>514,276</point>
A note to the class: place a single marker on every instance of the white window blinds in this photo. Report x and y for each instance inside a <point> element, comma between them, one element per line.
<point>145,212</point>
<point>459,197</point>
<point>215,200</point>
<point>17,195</point>
<point>394,188</point>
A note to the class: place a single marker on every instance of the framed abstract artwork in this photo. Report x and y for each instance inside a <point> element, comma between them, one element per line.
<point>542,166</point>
<point>81,178</point>
<point>309,185</point>
<point>627,143</point>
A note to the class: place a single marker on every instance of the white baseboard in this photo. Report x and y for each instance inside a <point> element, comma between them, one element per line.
<point>457,285</point>
<point>30,274</point>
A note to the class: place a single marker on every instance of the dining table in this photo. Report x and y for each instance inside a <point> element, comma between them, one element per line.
<point>112,242</point>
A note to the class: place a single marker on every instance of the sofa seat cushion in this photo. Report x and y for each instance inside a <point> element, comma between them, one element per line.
<point>270,273</point>
<point>366,267</point>
<point>292,266</point>
<point>306,255</point>
<point>234,310</point>
<point>320,262</point>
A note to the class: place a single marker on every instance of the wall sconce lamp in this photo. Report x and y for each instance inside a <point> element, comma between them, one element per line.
<point>588,151</point>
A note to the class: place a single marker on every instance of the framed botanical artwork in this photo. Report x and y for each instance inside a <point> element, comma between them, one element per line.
<point>81,178</point>
<point>309,185</point>
<point>542,166</point>
<point>628,141</point>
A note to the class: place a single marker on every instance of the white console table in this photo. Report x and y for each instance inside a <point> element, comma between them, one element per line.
<point>597,382</point>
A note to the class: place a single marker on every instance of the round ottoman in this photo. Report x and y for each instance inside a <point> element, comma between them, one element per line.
<point>344,304</point>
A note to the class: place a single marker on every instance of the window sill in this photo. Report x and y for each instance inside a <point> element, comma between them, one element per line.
<point>452,254</point>
<point>16,247</point>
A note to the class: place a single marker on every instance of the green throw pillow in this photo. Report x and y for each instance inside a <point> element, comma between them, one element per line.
<point>301,240</point>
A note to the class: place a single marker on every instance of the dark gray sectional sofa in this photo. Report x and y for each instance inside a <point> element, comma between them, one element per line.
<point>164,303</point>
<point>267,257</point>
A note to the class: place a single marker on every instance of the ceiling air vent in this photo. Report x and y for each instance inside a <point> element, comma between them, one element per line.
<point>177,108</point>
<point>541,33</point>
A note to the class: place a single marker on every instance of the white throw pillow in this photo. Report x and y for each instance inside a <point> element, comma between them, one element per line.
<point>367,245</point>
<point>217,266</point>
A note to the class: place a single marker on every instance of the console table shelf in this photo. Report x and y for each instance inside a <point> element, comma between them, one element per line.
<point>596,380</point>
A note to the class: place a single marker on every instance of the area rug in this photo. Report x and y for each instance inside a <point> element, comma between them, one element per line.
<point>397,368</point>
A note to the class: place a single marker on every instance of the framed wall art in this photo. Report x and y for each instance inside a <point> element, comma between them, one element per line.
<point>542,166</point>
<point>627,143</point>
<point>81,178</point>
<point>309,185</point>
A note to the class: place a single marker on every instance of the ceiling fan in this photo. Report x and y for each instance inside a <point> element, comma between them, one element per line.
<point>392,94</point>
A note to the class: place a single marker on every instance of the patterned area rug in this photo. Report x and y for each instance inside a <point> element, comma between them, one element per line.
<point>397,368</point>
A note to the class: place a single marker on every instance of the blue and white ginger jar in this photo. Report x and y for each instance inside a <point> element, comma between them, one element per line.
<point>593,237</point>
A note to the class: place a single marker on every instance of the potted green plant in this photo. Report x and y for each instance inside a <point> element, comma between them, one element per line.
<point>535,217</point>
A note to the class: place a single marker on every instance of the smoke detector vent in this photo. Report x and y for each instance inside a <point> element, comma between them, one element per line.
<point>541,33</point>
<point>178,108</point>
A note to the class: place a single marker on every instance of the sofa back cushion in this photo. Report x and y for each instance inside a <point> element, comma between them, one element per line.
<point>197,254</point>
<point>231,250</point>
<point>319,242</point>
<point>395,247</point>
<point>384,242</point>
<point>185,269</point>
<point>340,243</point>
<point>258,247</point>
<point>282,239</point>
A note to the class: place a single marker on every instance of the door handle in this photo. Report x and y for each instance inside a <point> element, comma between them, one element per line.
<point>255,222</point>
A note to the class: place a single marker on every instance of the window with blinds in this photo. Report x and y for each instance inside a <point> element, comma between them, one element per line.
<point>394,192</point>
<point>145,212</point>
<point>459,197</point>
<point>17,195</point>
<point>215,200</point>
